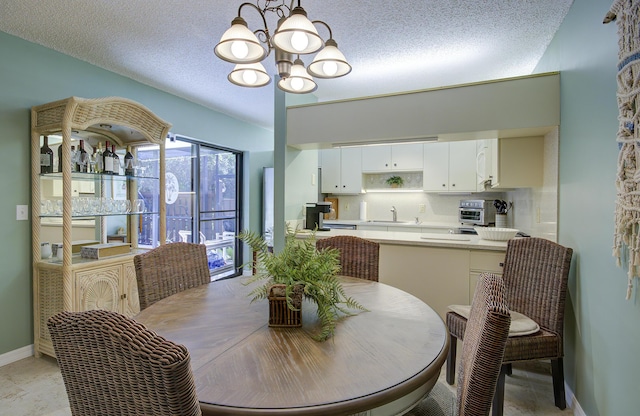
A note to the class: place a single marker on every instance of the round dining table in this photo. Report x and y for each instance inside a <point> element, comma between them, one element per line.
<point>381,361</point>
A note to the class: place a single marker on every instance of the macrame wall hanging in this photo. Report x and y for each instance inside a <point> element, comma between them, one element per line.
<point>626,244</point>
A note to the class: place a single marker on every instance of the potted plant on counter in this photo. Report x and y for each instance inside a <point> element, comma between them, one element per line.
<point>395,181</point>
<point>298,270</point>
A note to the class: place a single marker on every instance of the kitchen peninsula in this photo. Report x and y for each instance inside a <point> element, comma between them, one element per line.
<point>440,269</point>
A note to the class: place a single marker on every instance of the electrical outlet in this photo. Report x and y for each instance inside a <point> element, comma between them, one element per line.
<point>346,206</point>
<point>22,212</point>
<point>422,208</point>
<point>313,179</point>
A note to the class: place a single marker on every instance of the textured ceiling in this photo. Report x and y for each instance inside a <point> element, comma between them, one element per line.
<point>392,46</point>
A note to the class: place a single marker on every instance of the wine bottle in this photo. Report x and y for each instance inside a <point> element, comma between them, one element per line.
<point>60,158</point>
<point>99,159</point>
<point>116,161</point>
<point>46,157</point>
<point>81,158</point>
<point>129,163</point>
<point>107,159</point>
<point>92,162</point>
<point>74,158</point>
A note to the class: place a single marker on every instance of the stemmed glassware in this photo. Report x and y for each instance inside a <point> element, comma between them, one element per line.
<point>93,206</point>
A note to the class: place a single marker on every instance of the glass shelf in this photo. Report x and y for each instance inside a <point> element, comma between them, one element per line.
<point>93,176</point>
<point>91,216</point>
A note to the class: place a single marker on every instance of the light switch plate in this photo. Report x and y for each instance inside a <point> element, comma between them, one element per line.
<point>22,212</point>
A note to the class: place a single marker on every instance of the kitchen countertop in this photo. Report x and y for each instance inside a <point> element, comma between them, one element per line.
<point>463,241</point>
<point>382,223</point>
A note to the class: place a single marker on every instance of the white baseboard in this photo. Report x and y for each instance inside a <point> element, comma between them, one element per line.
<point>572,402</point>
<point>16,355</point>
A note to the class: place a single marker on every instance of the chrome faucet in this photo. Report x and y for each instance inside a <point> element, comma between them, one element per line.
<point>394,211</point>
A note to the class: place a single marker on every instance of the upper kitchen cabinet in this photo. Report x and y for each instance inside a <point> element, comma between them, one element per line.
<point>450,167</point>
<point>517,162</point>
<point>341,170</point>
<point>397,157</point>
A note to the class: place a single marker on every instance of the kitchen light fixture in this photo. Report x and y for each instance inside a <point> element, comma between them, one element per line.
<point>295,35</point>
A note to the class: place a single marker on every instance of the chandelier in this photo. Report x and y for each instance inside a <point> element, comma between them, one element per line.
<point>295,35</point>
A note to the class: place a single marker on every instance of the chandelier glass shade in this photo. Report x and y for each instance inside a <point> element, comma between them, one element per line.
<point>298,81</point>
<point>249,75</point>
<point>329,62</point>
<point>295,35</point>
<point>239,45</point>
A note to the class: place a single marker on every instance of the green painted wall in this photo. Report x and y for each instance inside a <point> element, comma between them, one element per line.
<point>602,328</point>
<point>32,75</point>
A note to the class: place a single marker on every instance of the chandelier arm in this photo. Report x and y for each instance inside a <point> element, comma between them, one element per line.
<point>278,10</point>
<point>325,25</point>
<point>264,20</point>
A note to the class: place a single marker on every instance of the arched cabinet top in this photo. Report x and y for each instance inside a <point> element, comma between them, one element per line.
<point>122,120</point>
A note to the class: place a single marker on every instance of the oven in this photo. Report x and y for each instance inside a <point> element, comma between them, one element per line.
<point>477,212</point>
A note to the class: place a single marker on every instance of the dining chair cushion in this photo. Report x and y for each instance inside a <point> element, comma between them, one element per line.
<point>520,323</point>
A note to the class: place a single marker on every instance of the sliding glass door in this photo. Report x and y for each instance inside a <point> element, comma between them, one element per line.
<point>203,201</point>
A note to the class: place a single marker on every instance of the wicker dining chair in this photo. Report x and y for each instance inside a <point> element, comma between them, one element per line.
<point>536,272</point>
<point>482,351</point>
<point>169,269</point>
<point>358,256</point>
<point>113,365</point>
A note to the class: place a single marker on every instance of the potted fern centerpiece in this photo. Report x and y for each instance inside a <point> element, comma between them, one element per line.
<point>299,270</point>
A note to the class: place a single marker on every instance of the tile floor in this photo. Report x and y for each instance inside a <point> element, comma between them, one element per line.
<point>34,387</point>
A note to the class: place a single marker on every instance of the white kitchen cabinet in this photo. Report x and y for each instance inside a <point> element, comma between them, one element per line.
<point>397,157</point>
<point>481,262</point>
<point>342,171</point>
<point>437,276</point>
<point>517,162</point>
<point>450,167</point>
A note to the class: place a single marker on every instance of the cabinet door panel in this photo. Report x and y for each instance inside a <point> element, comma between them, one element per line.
<point>376,158</point>
<point>407,157</point>
<point>518,162</point>
<point>330,171</point>
<point>436,167</point>
<point>462,166</point>
<point>351,170</point>
<point>131,301</point>
<point>98,289</point>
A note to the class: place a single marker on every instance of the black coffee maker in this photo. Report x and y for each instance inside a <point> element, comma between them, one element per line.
<point>315,215</point>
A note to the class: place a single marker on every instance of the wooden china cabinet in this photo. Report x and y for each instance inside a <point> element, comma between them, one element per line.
<point>72,282</point>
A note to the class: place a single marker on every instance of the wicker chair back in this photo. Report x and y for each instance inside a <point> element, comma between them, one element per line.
<point>358,257</point>
<point>482,351</point>
<point>169,269</point>
<point>112,365</point>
